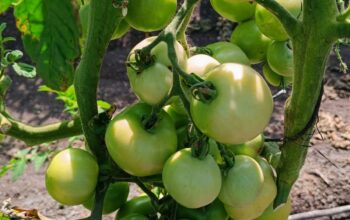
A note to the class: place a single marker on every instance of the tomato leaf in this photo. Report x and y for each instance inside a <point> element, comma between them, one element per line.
<point>18,168</point>
<point>51,38</point>
<point>24,69</point>
<point>38,160</point>
<point>103,104</point>
<point>5,4</point>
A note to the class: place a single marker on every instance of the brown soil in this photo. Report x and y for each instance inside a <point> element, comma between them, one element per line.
<point>324,181</point>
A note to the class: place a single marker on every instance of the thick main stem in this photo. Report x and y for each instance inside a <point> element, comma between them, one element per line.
<point>311,46</point>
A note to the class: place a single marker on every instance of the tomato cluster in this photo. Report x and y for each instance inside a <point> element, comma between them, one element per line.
<point>203,136</point>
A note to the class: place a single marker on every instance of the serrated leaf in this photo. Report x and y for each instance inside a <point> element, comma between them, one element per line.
<point>51,38</point>
<point>39,159</point>
<point>24,69</point>
<point>5,4</point>
<point>18,169</point>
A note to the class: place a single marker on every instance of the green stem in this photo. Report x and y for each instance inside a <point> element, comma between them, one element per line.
<point>104,18</point>
<point>42,134</point>
<point>181,33</point>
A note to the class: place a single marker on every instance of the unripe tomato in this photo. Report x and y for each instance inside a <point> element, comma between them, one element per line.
<point>214,211</point>
<point>268,23</point>
<point>154,83</point>
<point>200,64</point>
<point>150,15</point>
<point>226,52</point>
<point>177,104</point>
<point>178,119</point>
<point>121,30</point>
<point>250,148</point>
<point>275,79</point>
<point>236,11</point>
<point>280,58</point>
<point>140,205</point>
<point>71,176</point>
<point>243,182</point>
<point>249,38</point>
<point>138,151</point>
<point>281,213</point>
<point>192,182</point>
<point>116,196</point>
<point>231,117</point>
<point>262,201</point>
<point>135,217</point>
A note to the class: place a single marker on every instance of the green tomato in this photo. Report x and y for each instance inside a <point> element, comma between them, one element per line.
<point>179,119</point>
<point>275,79</point>
<point>121,30</point>
<point>249,38</point>
<point>268,23</point>
<point>214,211</point>
<point>250,148</point>
<point>226,52</point>
<point>140,205</point>
<point>153,84</point>
<point>231,117</point>
<point>262,201</point>
<point>243,183</point>
<point>235,11</point>
<point>116,196</point>
<point>281,213</point>
<point>71,176</point>
<point>201,64</point>
<point>280,58</point>
<point>150,15</point>
<point>192,182</point>
<point>138,151</point>
<point>177,104</point>
<point>135,217</point>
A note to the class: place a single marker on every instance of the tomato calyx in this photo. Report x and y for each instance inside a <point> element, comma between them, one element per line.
<point>143,60</point>
<point>228,156</point>
<point>120,3</point>
<point>200,147</point>
<point>204,91</point>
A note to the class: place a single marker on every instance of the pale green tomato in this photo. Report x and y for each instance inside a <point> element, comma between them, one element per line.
<point>266,195</point>
<point>141,205</point>
<point>249,38</point>
<point>214,211</point>
<point>234,10</point>
<point>250,148</point>
<point>201,64</point>
<point>178,105</point>
<point>192,182</point>
<point>280,58</point>
<point>179,119</point>
<point>275,79</point>
<point>71,177</point>
<point>242,108</point>
<point>226,52</point>
<point>154,83</point>
<point>268,23</point>
<point>138,151</point>
<point>243,183</point>
<point>281,213</point>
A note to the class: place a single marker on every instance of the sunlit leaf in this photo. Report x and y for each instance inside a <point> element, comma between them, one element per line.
<point>18,169</point>
<point>24,69</point>
<point>103,104</point>
<point>51,38</point>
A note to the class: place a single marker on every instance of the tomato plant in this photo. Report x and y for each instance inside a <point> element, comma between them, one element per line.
<point>193,141</point>
<point>72,176</point>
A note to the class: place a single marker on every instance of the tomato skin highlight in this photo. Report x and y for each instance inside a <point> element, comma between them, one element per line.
<point>192,182</point>
<point>137,151</point>
<point>243,182</point>
<point>71,176</point>
<point>249,38</point>
<point>116,196</point>
<point>226,52</point>
<point>150,15</point>
<point>268,23</point>
<point>140,205</point>
<point>242,94</point>
<point>235,11</point>
<point>280,58</point>
<point>200,64</point>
